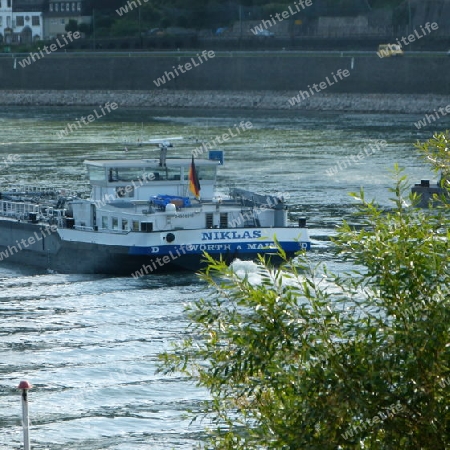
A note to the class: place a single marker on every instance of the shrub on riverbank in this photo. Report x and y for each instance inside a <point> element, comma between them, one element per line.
<point>304,359</point>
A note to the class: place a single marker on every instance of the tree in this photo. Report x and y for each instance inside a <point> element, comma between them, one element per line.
<point>72,26</point>
<point>310,360</point>
<point>85,28</point>
<point>124,28</point>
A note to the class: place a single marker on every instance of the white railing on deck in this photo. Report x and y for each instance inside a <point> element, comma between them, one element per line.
<point>23,188</point>
<point>17,209</point>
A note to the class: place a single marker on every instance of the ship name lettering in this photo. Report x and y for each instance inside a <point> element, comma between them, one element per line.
<point>208,247</point>
<point>219,235</point>
<point>256,246</point>
<point>154,249</point>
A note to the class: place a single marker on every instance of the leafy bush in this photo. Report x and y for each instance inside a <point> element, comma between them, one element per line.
<point>305,359</point>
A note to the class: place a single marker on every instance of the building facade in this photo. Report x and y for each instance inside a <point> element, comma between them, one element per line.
<point>21,21</point>
<point>5,19</point>
<point>61,12</point>
<point>27,21</point>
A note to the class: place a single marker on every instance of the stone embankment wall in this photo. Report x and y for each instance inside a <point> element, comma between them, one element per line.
<point>392,103</point>
<point>230,80</point>
<point>228,71</point>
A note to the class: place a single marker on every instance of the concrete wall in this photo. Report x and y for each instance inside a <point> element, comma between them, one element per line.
<point>343,26</point>
<point>282,72</point>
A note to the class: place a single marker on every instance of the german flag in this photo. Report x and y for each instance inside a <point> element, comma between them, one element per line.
<point>194,184</point>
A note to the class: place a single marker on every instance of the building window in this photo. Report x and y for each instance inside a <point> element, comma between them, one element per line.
<point>8,22</point>
<point>56,7</point>
<point>79,6</point>
<point>67,6</point>
<point>20,22</point>
<point>62,6</point>
<point>74,6</point>
<point>104,222</point>
<point>63,21</point>
<point>51,7</point>
<point>35,21</point>
<point>9,4</point>
<point>1,18</point>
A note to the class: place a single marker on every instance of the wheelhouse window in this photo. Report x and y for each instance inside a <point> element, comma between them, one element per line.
<point>96,173</point>
<point>105,222</point>
<point>203,172</point>
<point>127,174</point>
<point>147,227</point>
<point>209,220</point>
<point>135,225</point>
<point>206,172</point>
<point>115,223</point>
<point>223,220</point>
<point>129,191</point>
<point>124,225</point>
<point>165,173</point>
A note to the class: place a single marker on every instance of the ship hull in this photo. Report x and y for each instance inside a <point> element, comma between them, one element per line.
<point>138,254</point>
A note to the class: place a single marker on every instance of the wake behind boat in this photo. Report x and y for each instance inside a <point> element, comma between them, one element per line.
<point>144,216</point>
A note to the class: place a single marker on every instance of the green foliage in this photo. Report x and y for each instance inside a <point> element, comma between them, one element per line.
<point>125,27</point>
<point>165,22</point>
<point>85,28</point>
<point>103,21</point>
<point>72,26</point>
<point>305,359</point>
<point>274,8</point>
<point>214,13</point>
<point>437,152</point>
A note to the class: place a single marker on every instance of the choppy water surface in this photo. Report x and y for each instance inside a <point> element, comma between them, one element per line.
<point>89,343</point>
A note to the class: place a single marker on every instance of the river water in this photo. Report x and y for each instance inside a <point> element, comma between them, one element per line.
<point>89,344</point>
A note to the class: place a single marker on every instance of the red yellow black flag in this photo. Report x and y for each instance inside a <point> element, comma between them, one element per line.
<point>194,184</point>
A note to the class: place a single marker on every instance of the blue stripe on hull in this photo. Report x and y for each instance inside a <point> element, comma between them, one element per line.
<point>197,249</point>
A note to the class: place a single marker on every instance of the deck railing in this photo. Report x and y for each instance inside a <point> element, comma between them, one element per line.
<point>19,210</point>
